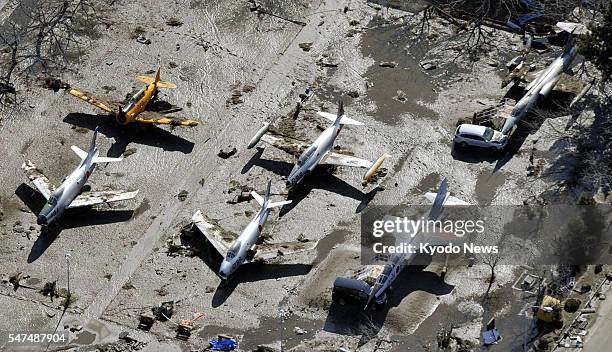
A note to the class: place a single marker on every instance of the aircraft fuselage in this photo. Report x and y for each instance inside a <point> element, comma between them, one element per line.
<point>244,245</point>
<point>137,104</point>
<point>70,188</point>
<point>540,87</point>
<point>314,154</point>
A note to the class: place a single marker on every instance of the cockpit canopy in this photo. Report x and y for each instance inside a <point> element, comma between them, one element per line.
<point>306,155</point>
<point>233,251</point>
<point>133,100</point>
<point>55,196</point>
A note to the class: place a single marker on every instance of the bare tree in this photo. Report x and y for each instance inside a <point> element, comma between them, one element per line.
<point>44,39</point>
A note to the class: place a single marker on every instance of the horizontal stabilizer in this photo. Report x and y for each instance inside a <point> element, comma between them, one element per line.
<point>257,197</point>
<point>343,121</point>
<point>278,204</point>
<point>78,151</point>
<point>160,84</point>
<point>103,159</point>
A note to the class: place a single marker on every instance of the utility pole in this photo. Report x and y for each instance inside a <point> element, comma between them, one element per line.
<point>281,316</point>
<point>67,255</point>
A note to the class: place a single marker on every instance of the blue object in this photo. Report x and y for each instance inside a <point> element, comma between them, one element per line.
<point>223,344</point>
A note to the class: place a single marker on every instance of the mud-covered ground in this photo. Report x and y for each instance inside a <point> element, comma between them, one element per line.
<point>120,265</point>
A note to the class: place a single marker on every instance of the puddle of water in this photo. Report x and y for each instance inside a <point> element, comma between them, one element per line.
<point>85,338</point>
<point>428,184</point>
<point>486,186</point>
<point>386,44</point>
<point>328,242</point>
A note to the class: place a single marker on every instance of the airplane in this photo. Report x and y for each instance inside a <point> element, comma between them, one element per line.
<point>320,151</point>
<point>247,247</point>
<point>69,194</point>
<point>384,275</point>
<point>135,108</point>
<point>540,86</point>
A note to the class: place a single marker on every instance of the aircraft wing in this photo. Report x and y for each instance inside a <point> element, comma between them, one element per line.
<point>101,197</point>
<point>156,118</point>
<point>567,83</point>
<point>38,179</point>
<point>97,102</point>
<point>269,251</point>
<point>289,145</point>
<point>220,239</point>
<point>333,158</point>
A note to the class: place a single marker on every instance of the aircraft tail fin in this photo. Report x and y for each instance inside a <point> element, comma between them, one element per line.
<point>92,144</point>
<point>340,113</point>
<point>157,78</point>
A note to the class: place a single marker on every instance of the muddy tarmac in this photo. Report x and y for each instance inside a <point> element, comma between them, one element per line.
<point>235,69</point>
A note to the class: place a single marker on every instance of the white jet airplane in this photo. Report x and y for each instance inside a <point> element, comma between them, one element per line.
<point>542,84</point>
<point>320,151</point>
<point>69,194</point>
<point>246,247</point>
<point>397,262</point>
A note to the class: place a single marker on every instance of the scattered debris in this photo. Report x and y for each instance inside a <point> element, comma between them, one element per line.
<point>243,192</point>
<point>164,311</point>
<point>223,343</point>
<point>182,195</point>
<point>299,331</point>
<point>174,22</point>
<point>146,322</point>
<point>353,94</point>
<point>143,40</point>
<point>305,46</point>
<point>325,61</point>
<point>428,66</point>
<point>54,84</point>
<point>50,289</point>
<point>129,152</point>
<point>223,154</point>
<point>235,98</point>
<point>401,96</point>
<point>388,64</point>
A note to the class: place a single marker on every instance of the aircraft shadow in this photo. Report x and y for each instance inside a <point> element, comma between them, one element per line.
<point>322,179</point>
<point>253,272</point>
<point>72,218</point>
<point>150,135</point>
<point>352,320</point>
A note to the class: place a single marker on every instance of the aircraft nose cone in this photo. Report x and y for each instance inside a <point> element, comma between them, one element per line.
<point>41,220</point>
<point>224,271</point>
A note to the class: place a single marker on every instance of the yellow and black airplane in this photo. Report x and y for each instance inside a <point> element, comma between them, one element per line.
<point>135,108</point>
